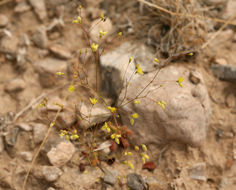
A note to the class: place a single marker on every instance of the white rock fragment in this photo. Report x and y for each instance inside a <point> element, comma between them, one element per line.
<point>198,172</point>
<point>24,126</point>
<point>27,156</point>
<point>60,155</point>
<point>39,132</point>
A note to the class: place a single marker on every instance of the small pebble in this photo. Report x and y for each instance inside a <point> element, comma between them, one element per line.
<point>3,20</point>
<point>15,85</point>
<point>111,177</point>
<point>27,156</point>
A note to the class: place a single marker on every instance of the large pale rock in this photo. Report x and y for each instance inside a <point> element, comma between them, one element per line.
<point>60,155</point>
<point>187,111</point>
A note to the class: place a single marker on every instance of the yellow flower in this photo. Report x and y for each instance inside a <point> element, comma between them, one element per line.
<point>60,73</point>
<point>102,17</point>
<point>80,7</point>
<point>63,133</point>
<point>134,115</point>
<point>162,104</point>
<point>93,101</point>
<point>156,60</point>
<point>179,81</point>
<point>144,147</point>
<point>139,69</point>
<point>102,33</point>
<point>105,127</point>
<point>78,20</point>
<point>43,103</point>
<point>191,54</point>
<point>112,109</point>
<point>136,102</point>
<point>52,124</point>
<point>132,121</point>
<point>128,153</point>
<point>144,157</point>
<point>94,47</point>
<point>136,148</point>
<point>74,137</point>
<point>59,105</point>
<point>130,59</point>
<point>116,137</point>
<point>129,163</point>
<point>119,34</point>
<point>71,88</point>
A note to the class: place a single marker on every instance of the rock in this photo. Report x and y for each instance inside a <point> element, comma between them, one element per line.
<point>1,145</point>
<point>111,177</point>
<point>98,114</point>
<point>39,132</point>
<point>224,72</point>
<point>136,182</point>
<point>60,51</point>
<point>230,9</point>
<point>11,136</point>
<point>21,7</point>
<point>66,118</point>
<point>39,8</point>
<point>27,156</point>
<point>114,64</point>
<point>47,69</point>
<point>40,37</point>
<point>186,114</point>
<point>49,173</point>
<point>221,61</point>
<point>230,100</point>
<point>56,24</point>
<point>5,178</point>
<point>60,155</point>
<point>3,20</point>
<point>96,26</point>
<point>234,150</point>
<point>234,38</point>
<point>194,77</point>
<point>15,85</point>
<point>51,188</point>
<point>24,126</point>
<point>198,172</point>
<point>9,44</point>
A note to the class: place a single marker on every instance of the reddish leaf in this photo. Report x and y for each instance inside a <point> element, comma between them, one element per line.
<point>113,146</point>
<point>124,142</point>
<point>126,132</point>
<point>150,166</point>
<point>84,153</point>
<point>81,167</point>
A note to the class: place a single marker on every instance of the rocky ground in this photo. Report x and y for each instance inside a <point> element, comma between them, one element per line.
<point>192,142</point>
